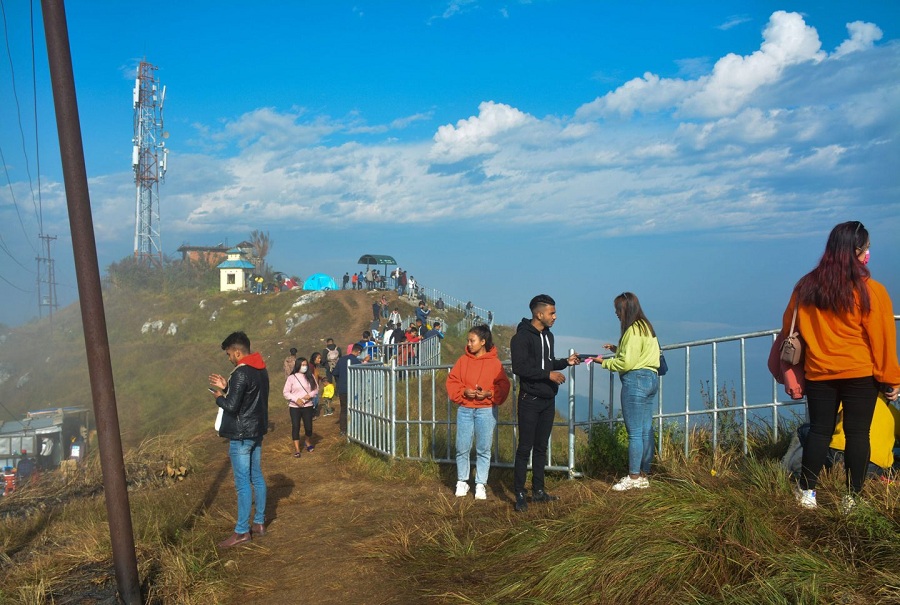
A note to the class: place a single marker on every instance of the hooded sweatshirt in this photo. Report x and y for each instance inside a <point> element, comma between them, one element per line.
<point>470,372</point>
<point>532,360</point>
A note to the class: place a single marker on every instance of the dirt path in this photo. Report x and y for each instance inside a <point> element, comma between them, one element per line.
<point>324,523</point>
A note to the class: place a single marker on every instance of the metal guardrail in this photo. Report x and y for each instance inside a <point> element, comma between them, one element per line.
<point>404,411</point>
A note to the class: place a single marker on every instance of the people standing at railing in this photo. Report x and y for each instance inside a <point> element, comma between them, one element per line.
<point>340,373</point>
<point>395,318</point>
<point>422,312</point>
<point>477,384</point>
<point>531,349</point>
<point>300,390</point>
<point>637,362</point>
<point>411,287</point>
<point>435,331</point>
<point>409,350</point>
<point>846,321</point>
<point>353,282</point>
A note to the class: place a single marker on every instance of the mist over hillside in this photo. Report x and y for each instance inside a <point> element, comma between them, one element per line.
<point>164,344</point>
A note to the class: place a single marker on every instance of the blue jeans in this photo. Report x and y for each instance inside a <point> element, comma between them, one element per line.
<point>639,388</point>
<point>245,464</point>
<point>477,424</point>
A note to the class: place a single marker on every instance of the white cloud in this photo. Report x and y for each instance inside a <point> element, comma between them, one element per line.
<point>787,41</point>
<point>475,135</point>
<point>817,139</point>
<point>733,21</point>
<point>862,36</point>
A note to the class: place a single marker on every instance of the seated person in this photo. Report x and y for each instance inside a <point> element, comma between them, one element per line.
<point>883,431</point>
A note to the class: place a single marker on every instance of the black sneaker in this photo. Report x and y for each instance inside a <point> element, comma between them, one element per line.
<point>521,504</point>
<point>540,495</point>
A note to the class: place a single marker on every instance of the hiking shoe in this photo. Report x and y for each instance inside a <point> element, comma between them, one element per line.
<point>521,503</point>
<point>540,495</point>
<point>848,504</point>
<point>234,539</point>
<point>296,454</point>
<point>626,483</point>
<point>805,497</point>
<point>462,488</point>
<point>310,448</point>
<point>480,493</point>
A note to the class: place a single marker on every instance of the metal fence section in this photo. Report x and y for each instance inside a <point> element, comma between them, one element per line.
<point>403,411</point>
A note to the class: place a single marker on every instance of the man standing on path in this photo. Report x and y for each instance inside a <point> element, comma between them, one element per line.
<point>345,281</point>
<point>531,349</point>
<point>243,400</point>
<point>340,372</point>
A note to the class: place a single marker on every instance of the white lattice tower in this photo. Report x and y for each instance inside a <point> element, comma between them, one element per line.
<point>149,161</point>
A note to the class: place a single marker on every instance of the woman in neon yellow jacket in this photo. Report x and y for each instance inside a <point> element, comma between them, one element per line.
<point>637,362</point>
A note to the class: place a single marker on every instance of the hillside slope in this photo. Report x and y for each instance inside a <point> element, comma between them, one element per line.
<point>163,346</point>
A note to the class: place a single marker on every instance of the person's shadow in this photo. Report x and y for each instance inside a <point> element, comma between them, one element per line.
<point>278,486</point>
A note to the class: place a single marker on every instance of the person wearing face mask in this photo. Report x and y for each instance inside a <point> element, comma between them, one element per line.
<point>846,321</point>
<point>300,391</point>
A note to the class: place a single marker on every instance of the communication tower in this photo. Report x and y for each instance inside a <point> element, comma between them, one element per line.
<point>46,278</point>
<point>148,158</point>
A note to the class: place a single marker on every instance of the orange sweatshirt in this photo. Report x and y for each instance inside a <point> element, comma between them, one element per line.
<point>849,345</point>
<point>486,372</point>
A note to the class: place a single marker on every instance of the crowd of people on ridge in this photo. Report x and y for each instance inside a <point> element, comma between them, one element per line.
<point>843,315</point>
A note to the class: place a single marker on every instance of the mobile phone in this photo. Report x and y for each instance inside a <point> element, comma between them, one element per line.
<point>210,389</point>
<point>584,356</point>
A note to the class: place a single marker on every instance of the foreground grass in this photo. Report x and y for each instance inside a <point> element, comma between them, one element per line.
<point>56,544</point>
<point>733,537</point>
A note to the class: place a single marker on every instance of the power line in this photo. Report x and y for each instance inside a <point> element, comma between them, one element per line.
<point>12,285</point>
<point>21,133</point>
<point>12,194</point>
<point>37,143</point>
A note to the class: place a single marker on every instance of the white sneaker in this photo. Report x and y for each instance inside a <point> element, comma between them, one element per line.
<point>480,493</point>
<point>462,488</point>
<point>626,483</point>
<point>806,497</point>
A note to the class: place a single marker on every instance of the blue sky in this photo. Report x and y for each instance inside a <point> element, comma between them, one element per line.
<point>695,153</point>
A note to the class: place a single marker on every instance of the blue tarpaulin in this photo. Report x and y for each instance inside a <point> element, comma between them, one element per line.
<point>319,281</point>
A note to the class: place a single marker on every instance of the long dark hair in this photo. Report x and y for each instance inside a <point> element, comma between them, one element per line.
<point>312,359</point>
<point>310,376</point>
<point>840,273</point>
<point>484,333</point>
<point>628,308</point>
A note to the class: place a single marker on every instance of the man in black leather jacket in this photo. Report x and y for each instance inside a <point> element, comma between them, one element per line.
<point>243,400</point>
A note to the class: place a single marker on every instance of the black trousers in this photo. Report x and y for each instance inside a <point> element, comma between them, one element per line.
<point>535,424</point>
<point>298,414</point>
<point>342,419</point>
<point>858,396</point>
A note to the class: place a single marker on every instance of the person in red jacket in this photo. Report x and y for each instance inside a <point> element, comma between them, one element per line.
<point>846,322</point>
<point>478,384</point>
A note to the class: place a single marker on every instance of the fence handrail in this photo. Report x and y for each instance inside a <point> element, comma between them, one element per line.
<point>377,422</point>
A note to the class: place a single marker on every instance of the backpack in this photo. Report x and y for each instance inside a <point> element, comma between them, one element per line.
<point>332,357</point>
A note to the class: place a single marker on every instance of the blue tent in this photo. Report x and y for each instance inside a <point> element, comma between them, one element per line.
<point>319,281</point>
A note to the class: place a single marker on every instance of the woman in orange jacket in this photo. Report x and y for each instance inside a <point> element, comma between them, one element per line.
<point>478,384</point>
<point>846,322</point>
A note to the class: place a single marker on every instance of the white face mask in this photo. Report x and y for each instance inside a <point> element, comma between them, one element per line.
<point>303,369</point>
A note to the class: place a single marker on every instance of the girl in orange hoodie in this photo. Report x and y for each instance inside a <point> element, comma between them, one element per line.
<point>846,321</point>
<point>478,384</point>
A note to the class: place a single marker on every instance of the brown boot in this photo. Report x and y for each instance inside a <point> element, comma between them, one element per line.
<point>234,540</point>
<point>258,529</point>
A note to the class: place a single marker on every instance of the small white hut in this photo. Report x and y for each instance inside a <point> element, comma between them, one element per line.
<point>234,271</point>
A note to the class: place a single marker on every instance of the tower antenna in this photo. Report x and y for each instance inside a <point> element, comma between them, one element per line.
<point>148,157</point>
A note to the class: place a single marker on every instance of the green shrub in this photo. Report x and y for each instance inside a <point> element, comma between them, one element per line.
<point>606,451</point>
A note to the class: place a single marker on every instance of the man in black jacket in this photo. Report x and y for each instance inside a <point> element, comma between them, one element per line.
<point>531,349</point>
<point>243,400</point>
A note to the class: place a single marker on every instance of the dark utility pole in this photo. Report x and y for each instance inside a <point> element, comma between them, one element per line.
<point>93,317</point>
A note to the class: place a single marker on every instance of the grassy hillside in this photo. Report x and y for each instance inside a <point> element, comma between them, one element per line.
<point>715,527</point>
<point>160,377</point>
